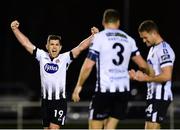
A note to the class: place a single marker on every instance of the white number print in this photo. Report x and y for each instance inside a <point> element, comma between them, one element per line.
<point>149,92</point>
<point>58,114</point>
<point>149,109</point>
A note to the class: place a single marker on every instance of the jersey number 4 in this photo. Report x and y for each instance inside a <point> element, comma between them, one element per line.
<point>119,54</point>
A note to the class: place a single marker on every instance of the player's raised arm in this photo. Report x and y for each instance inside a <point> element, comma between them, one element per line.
<point>85,43</point>
<point>24,41</point>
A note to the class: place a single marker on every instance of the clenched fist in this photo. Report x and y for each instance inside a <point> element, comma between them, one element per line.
<point>14,25</point>
<point>94,30</point>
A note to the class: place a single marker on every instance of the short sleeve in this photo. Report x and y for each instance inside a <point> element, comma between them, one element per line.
<point>67,58</point>
<point>95,43</point>
<point>134,50</point>
<point>166,57</point>
<point>39,53</point>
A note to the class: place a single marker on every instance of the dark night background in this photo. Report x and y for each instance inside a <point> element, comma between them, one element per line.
<point>72,19</point>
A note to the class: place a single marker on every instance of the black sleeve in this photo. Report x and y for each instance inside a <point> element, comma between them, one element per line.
<point>71,55</point>
<point>134,53</point>
<point>34,52</point>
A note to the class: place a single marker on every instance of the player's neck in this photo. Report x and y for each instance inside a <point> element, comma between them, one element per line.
<point>111,26</point>
<point>159,40</point>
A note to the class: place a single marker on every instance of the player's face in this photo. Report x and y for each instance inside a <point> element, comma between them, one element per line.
<point>147,38</point>
<point>53,48</point>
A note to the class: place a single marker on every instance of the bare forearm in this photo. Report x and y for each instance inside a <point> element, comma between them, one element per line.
<point>148,70</point>
<point>165,75</point>
<point>84,74</point>
<point>24,41</point>
<point>82,46</point>
<point>143,65</point>
<point>21,37</point>
<point>159,78</point>
<point>85,43</point>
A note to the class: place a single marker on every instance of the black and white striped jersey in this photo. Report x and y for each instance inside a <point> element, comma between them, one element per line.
<point>159,56</point>
<point>53,74</point>
<point>111,50</point>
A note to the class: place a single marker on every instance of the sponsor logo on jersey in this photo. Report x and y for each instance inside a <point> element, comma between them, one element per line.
<point>51,68</point>
<point>165,57</point>
<point>116,34</point>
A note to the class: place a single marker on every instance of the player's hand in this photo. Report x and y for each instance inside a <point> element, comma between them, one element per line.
<point>132,74</point>
<point>14,25</point>
<point>75,95</point>
<point>94,30</point>
<point>140,76</point>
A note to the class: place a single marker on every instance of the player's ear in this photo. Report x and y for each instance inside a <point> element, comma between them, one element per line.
<point>103,23</point>
<point>118,23</point>
<point>47,46</point>
<point>60,47</point>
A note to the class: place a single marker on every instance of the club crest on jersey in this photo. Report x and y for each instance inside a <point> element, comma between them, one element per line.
<point>57,61</point>
<point>165,57</point>
<point>91,44</point>
<point>51,68</point>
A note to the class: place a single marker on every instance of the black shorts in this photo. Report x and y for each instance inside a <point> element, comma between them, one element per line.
<point>54,111</point>
<point>156,110</point>
<point>106,105</point>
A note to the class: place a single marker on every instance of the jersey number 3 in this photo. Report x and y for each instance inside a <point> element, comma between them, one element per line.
<point>119,54</point>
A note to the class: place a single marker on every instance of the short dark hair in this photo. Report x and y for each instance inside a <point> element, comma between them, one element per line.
<point>111,16</point>
<point>54,37</point>
<point>148,26</point>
